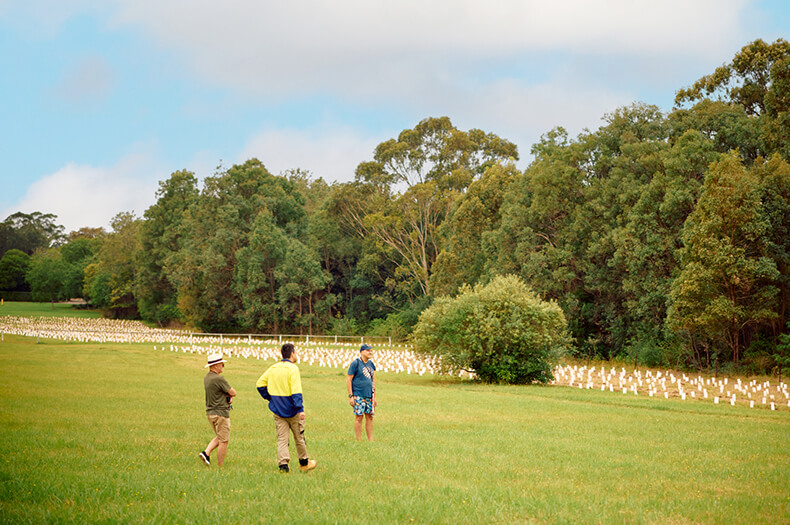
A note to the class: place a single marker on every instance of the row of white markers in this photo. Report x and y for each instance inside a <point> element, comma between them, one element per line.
<point>386,360</point>
<point>666,384</point>
<point>401,359</point>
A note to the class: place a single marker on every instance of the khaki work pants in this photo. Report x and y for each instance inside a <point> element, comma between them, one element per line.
<point>284,426</point>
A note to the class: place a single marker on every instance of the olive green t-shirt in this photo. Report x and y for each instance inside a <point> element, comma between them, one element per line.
<point>217,389</point>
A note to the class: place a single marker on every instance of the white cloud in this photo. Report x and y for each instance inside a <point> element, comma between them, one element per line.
<point>91,196</point>
<point>467,59</point>
<point>372,48</point>
<point>522,113</point>
<point>332,154</point>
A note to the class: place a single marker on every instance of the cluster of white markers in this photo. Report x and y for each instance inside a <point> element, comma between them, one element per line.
<point>393,358</point>
<point>667,385</point>
<point>397,358</point>
<point>88,330</point>
<point>325,351</point>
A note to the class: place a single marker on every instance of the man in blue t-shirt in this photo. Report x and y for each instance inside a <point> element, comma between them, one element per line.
<point>361,386</point>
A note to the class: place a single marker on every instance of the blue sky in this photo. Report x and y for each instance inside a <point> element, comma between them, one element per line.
<point>102,99</point>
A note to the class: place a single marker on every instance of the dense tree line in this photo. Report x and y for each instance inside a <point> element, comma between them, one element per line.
<point>664,238</point>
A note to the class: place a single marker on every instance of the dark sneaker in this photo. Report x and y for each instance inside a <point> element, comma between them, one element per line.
<point>310,465</point>
<point>205,458</point>
<point>284,469</point>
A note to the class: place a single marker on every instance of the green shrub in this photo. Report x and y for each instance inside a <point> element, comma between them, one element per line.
<point>502,331</point>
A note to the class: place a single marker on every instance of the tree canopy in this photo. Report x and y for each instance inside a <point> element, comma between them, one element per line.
<point>662,237</point>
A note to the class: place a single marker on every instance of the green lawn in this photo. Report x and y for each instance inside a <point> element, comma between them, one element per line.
<point>24,309</point>
<point>107,433</point>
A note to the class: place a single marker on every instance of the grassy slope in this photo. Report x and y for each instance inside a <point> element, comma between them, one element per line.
<point>23,309</point>
<point>108,433</point>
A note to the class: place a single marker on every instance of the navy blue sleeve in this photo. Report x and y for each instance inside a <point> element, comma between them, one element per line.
<point>264,392</point>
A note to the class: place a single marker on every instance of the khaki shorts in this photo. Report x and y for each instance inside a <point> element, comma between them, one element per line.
<point>221,426</point>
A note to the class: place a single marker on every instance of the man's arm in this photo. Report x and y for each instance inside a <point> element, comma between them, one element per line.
<point>349,379</point>
<point>225,387</point>
<point>262,386</point>
<point>295,380</point>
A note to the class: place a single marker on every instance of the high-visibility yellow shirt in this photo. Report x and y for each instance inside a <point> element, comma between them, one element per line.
<point>281,385</point>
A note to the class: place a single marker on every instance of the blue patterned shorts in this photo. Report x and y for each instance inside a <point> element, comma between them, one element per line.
<point>363,405</point>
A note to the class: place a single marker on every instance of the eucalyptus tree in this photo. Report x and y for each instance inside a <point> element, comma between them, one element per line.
<point>725,289</point>
<point>213,288</point>
<point>337,249</point>
<point>256,276</point>
<point>329,245</point>
<point>77,254</point>
<point>534,238</point>
<point>110,277</point>
<point>774,176</point>
<point>563,218</point>
<point>59,273</point>
<point>649,243</point>
<point>29,232</point>
<point>408,190</point>
<point>300,277</point>
<point>468,231</point>
<point>160,240</point>
<point>746,81</point>
<point>758,81</point>
<point>46,275</point>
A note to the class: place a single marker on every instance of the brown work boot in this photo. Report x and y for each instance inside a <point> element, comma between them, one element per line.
<point>309,466</point>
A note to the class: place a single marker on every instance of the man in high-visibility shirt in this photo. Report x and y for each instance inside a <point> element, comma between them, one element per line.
<point>281,385</point>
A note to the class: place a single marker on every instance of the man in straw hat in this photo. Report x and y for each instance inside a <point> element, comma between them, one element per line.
<point>219,396</point>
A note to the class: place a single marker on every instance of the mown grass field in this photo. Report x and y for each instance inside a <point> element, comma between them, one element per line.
<point>27,309</point>
<point>108,433</point>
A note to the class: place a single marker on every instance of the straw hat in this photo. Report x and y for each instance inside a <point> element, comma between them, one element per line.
<point>214,359</point>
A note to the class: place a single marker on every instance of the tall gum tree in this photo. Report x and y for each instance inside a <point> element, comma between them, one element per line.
<point>462,259</point>
<point>725,287</point>
<point>415,180</point>
<point>648,244</point>
<point>160,239</point>
<point>216,229</point>
<point>774,177</point>
<point>757,80</point>
<point>110,278</point>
